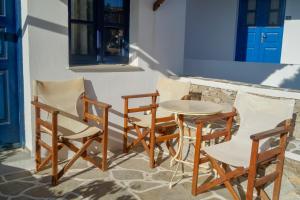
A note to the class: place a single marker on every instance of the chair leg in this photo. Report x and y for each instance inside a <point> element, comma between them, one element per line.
<point>196,161</point>
<point>125,136</point>
<point>38,158</point>
<point>104,151</point>
<point>252,170</point>
<point>54,165</point>
<point>151,149</point>
<point>222,173</point>
<point>279,168</point>
<point>37,139</point>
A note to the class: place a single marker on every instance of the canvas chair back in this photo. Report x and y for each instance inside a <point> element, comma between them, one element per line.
<point>60,94</point>
<point>170,89</point>
<point>258,114</point>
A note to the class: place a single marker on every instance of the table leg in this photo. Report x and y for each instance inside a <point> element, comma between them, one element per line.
<point>179,119</point>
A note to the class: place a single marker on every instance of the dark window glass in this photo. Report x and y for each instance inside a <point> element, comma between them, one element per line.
<point>275,4</point>
<point>98,31</point>
<point>2,44</point>
<point>82,39</point>
<point>2,7</point>
<point>274,18</point>
<point>251,4</point>
<point>82,10</point>
<point>251,18</point>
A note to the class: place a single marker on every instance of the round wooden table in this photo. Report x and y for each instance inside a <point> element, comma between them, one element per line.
<point>181,108</point>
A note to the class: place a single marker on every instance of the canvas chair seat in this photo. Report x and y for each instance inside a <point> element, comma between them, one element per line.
<point>226,152</point>
<point>73,129</point>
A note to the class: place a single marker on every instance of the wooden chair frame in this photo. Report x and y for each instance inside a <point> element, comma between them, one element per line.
<point>57,144</point>
<point>258,159</point>
<point>163,130</point>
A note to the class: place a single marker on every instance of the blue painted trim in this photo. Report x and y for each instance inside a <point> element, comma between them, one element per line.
<point>241,36</point>
<point>20,73</point>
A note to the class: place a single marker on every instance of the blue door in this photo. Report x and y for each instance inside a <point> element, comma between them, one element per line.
<point>9,97</point>
<point>260,30</point>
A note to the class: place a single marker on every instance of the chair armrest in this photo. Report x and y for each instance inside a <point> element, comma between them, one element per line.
<point>216,117</point>
<point>96,103</point>
<point>45,107</point>
<point>141,95</point>
<point>270,133</point>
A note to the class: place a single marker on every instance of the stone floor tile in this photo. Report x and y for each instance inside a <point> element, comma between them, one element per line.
<point>297,152</point>
<point>17,175</point>
<point>290,146</point>
<point>163,193</point>
<point>143,185</point>
<point>64,186</point>
<point>127,174</point>
<point>164,176</point>
<point>41,192</point>
<point>22,198</point>
<point>104,190</point>
<point>14,187</point>
<point>137,164</point>
<point>3,197</point>
<point>89,173</point>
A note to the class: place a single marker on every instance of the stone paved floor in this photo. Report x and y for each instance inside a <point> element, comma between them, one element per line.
<point>128,178</point>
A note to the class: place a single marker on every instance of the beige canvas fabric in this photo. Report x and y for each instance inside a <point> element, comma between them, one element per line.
<point>64,95</point>
<point>257,114</point>
<point>60,94</point>
<point>168,89</point>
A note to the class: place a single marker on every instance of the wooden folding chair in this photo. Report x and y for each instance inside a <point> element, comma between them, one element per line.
<point>250,149</point>
<point>58,100</point>
<point>158,125</point>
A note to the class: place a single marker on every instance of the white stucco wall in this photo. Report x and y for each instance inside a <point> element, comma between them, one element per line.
<point>211,27</point>
<point>156,41</point>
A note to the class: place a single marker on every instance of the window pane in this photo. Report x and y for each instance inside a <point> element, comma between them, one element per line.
<point>2,7</point>
<point>114,42</point>
<point>2,44</point>
<point>114,11</point>
<point>275,4</point>
<point>274,18</point>
<point>113,4</point>
<point>251,18</point>
<point>83,40</point>
<point>82,10</point>
<point>251,4</point>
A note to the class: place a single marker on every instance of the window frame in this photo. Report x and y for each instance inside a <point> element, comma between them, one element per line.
<point>99,58</point>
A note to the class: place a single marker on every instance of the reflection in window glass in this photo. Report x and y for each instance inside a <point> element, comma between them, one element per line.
<point>113,4</point>
<point>251,18</point>
<point>275,4</point>
<point>274,18</point>
<point>82,10</point>
<point>114,40</point>
<point>83,39</point>
<point>251,4</point>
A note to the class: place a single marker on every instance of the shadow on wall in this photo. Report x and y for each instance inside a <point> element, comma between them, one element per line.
<point>276,75</point>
